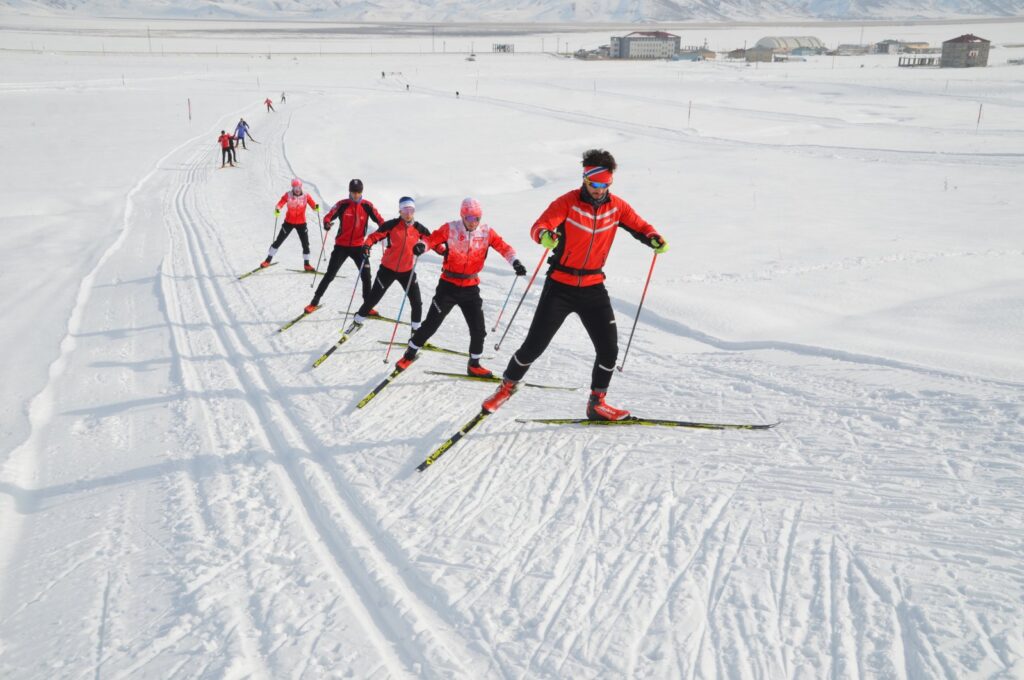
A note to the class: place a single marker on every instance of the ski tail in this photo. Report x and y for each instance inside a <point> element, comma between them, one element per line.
<point>451,441</point>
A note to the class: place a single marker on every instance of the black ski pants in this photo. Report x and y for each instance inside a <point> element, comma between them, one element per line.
<point>558,301</point>
<point>338,257</point>
<point>385,277</point>
<point>446,296</point>
<point>225,156</point>
<point>286,229</point>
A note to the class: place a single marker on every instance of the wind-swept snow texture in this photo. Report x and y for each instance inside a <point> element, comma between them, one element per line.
<point>183,496</point>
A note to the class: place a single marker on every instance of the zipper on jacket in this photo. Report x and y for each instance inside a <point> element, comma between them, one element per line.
<point>590,246</point>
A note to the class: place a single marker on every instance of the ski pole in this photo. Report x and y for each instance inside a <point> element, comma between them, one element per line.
<point>639,307</point>
<point>273,234</point>
<point>498,320</point>
<point>398,319</point>
<point>322,246</point>
<point>366,261</point>
<point>528,286</point>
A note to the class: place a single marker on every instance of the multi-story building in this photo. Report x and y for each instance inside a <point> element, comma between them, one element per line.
<point>644,45</point>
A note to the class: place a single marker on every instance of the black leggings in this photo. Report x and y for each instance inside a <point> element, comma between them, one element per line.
<point>338,257</point>
<point>385,277</point>
<point>225,156</point>
<point>286,229</point>
<point>558,301</point>
<point>447,296</point>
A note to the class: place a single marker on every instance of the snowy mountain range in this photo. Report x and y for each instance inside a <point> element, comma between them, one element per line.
<point>608,11</point>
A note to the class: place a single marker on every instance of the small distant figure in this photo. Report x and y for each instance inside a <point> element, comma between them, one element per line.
<point>407,87</point>
<point>456,94</point>
<point>225,149</point>
<point>270,105</point>
<point>382,75</point>
<point>241,130</point>
<point>283,98</point>
<point>233,141</point>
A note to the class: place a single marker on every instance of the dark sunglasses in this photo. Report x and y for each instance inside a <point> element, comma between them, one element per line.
<point>597,185</point>
<point>472,218</point>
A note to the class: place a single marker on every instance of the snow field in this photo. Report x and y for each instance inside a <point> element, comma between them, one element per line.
<point>191,499</point>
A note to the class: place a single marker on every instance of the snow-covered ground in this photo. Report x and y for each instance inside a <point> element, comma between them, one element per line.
<point>183,496</point>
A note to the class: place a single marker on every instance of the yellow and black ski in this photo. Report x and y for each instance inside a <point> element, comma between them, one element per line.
<point>256,271</point>
<point>652,422</point>
<point>352,329</point>
<point>496,379</point>
<point>451,441</point>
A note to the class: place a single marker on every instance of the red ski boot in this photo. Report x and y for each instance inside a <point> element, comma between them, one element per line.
<point>308,267</point>
<point>309,309</point>
<point>504,392</point>
<point>597,409</point>
<point>406,360</point>
<point>477,371</point>
<point>265,263</point>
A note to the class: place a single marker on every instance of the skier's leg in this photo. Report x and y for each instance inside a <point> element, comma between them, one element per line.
<point>552,309</point>
<point>598,319</point>
<point>472,307</point>
<point>304,239</point>
<point>338,256</point>
<point>380,286</point>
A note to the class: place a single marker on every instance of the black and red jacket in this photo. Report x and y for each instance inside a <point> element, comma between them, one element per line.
<point>352,220</point>
<point>401,237</point>
<point>586,231</point>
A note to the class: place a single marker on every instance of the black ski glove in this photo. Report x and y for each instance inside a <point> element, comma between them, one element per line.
<point>519,268</point>
<point>419,249</point>
<point>366,252</point>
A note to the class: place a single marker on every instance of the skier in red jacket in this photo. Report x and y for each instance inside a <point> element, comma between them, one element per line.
<point>579,228</point>
<point>225,149</point>
<point>402,234</point>
<point>353,214</point>
<point>295,218</point>
<point>269,104</point>
<point>466,242</point>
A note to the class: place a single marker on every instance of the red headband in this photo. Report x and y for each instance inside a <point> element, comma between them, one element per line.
<point>595,173</point>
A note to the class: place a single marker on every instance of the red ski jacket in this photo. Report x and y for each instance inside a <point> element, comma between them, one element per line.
<point>352,220</point>
<point>296,206</point>
<point>585,235</point>
<point>225,141</point>
<point>401,237</point>
<point>467,251</point>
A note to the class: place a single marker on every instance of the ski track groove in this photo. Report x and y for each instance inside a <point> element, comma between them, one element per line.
<point>339,497</point>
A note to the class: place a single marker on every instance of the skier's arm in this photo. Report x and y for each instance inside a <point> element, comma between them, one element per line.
<point>503,248</point>
<point>552,218</point>
<point>639,228</point>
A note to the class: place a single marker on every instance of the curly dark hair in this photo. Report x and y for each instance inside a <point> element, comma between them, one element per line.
<point>599,157</point>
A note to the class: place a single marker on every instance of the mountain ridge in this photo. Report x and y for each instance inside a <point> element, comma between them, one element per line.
<point>554,11</point>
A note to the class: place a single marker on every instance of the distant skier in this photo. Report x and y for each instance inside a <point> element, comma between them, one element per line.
<point>269,104</point>
<point>233,142</point>
<point>579,228</point>
<point>402,234</point>
<point>353,214</point>
<point>241,130</point>
<point>283,100</point>
<point>466,242</point>
<point>295,218</point>
<point>225,149</point>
